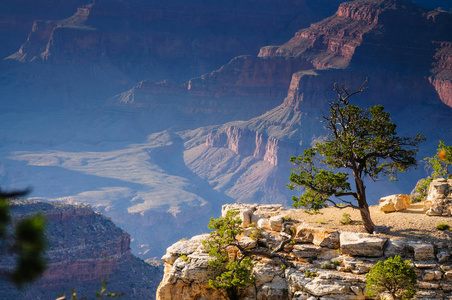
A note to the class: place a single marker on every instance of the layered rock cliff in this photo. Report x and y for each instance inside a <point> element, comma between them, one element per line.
<point>442,78</point>
<point>84,248</point>
<point>196,38</point>
<point>320,263</point>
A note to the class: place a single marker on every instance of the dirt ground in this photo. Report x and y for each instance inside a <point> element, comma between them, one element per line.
<point>412,224</point>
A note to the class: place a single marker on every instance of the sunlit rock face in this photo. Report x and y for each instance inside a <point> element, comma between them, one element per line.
<point>320,263</point>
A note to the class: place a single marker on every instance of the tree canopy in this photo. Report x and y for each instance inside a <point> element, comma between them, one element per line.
<point>361,143</point>
<point>441,162</point>
<point>395,276</point>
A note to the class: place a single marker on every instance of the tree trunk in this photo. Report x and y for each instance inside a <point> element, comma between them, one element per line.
<point>365,216</point>
<point>362,204</point>
<point>233,293</point>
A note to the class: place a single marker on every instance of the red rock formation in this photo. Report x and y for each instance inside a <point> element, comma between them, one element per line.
<point>85,248</point>
<point>442,78</point>
<point>192,38</point>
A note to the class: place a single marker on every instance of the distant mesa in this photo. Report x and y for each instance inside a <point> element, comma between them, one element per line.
<point>84,248</point>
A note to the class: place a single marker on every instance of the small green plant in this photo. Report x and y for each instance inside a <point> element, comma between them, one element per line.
<point>283,267</point>
<point>320,221</point>
<point>393,275</point>
<point>328,266</point>
<point>442,226</point>
<point>287,219</point>
<point>184,258</point>
<point>308,273</point>
<point>421,190</point>
<point>346,220</point>
<point>292,231</point>
<point>336,262</point>
<point>100,294</point>
<point>256,234</point>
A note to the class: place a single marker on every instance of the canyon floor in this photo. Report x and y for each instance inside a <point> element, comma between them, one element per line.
<point>411,225</point>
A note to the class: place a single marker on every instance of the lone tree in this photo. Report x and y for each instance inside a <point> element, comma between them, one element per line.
<point>365,142</point>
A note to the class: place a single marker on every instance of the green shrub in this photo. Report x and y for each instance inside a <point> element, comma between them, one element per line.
<point>393,275</point>
<point>308,273</point>
<point>336,262</point>
<point>442,226</point>
<point>256,234</point>
<point>346,220</point>
<point>328,266</point>
<point>421,190</point>
<point>287,219</point>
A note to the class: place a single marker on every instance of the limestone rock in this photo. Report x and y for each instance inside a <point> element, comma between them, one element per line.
<point>360,244</point>
<point>247,243</point>
<point>276,223</point>
<point>422,251</point>
<point>395,247</point>
<point>318,236</point>
<point>274,290</point>
<point>443,256</point>
<point>393,203</point>
<point>264,224</point>
<point>265,272</point>
<point>319,287</point>
<point>245,211</point>
<point>265,211</point>
<point>440,197</point>
<point>448,275</point>
<point>186,247</point>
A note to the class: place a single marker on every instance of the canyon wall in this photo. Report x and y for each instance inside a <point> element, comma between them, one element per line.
<point>137,35</point>
<point>442,78</point>
<point>84,248</point>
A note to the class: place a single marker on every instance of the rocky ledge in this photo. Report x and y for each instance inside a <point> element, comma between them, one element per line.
<point>320,263</point>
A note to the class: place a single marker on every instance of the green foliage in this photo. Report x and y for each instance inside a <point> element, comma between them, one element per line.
<point>421,190</point>
<point>365,142</point>
<point>328,266</point>
<point>30,245</point>
<point>393,275</point>
<point>104,293</point>
<point>308,273</point>
<point>441,162</point>
<point>28,242</point>
<point>185,258</point>
<point>336,262</point>
<point>256,234</point>
<point>442,226</point>
<point>100,294</point>
<point>234,274</point>
<point>346,220</point>
<point>287,219</point>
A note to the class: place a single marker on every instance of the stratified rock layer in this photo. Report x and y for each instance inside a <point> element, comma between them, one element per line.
<point>312,271</point>
<point>439,198</point>
<point>84,248</point>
